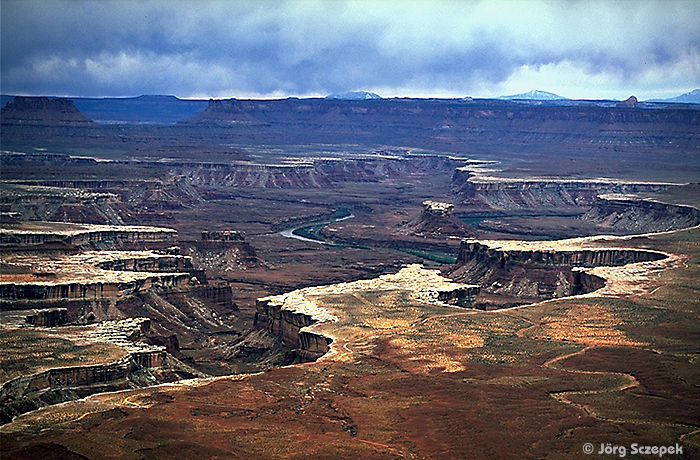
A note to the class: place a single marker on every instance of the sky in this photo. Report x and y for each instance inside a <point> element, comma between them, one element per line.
<point>607,49</point>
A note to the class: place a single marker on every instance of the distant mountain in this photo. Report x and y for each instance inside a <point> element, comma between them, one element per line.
<point>535,95</point>
<point>149,109</point>
<point>692,97</point>
<point>354,96</point>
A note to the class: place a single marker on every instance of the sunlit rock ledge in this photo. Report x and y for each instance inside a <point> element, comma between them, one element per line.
<point>90,274</point>
<point>426,285</point>
<point>294,316</point>
<point>36,233</point>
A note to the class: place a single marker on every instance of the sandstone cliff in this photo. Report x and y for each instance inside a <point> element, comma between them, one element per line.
<point>618,213</point>
<point>29,234</point>
<point>507,194</point>
<point>141,365</point>
<point>519,272</point>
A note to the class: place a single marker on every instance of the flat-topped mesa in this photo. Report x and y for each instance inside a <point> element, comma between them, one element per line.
<point>539,270</point>
<point>42,111</point>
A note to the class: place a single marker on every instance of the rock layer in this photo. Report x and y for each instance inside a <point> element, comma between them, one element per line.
<point>141,365</point>
<point>527,271</point>
<point>629,214</point>
<point>29,234</point>
<point>476,122</point>
<point>506,194</point>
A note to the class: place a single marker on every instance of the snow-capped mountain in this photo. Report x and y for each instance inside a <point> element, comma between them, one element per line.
<point>354,95</point>
<point>537,95</point>
<point>692,97</point>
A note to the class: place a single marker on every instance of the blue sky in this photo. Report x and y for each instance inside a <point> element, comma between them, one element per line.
<point>410,48</point>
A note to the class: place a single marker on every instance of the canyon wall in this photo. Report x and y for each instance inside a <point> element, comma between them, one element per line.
<point>219,295</point>
<point>526,274</point>
<point>287,325</point>
<point>101,237</point>
<point>505,194</point>
<point>161,263</point>
<point>48,317</point>
<point>312,172</point>
<point>628,215</point>
<point>61,384</point>
<point>115,202</point>
<point>90,290</point>
<point>471,250</point>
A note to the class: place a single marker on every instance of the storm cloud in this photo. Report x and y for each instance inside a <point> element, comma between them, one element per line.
<point>578,49</point>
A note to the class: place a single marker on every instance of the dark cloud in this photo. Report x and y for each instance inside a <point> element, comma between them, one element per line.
<point>278,48</point>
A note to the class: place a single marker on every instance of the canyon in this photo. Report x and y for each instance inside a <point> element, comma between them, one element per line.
<point>525,269</point>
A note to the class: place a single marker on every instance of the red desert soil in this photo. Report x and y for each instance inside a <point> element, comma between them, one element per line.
<point>422,380</point>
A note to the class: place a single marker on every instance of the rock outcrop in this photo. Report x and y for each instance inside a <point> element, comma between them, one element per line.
<point>629,102</point>
<point>42,111</point>
<point>437,219</point>
<point>28,234</point>
<point>628,214</point>
<point>507,194</point>
<point>141,365</point>
<point>538,270</point>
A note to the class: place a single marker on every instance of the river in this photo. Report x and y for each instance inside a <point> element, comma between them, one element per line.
<point>289,233</point>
